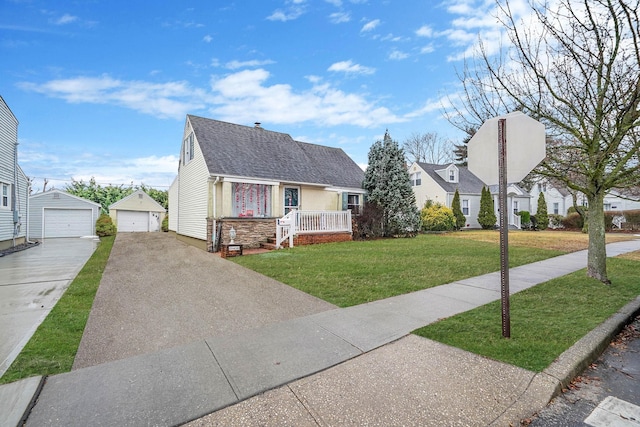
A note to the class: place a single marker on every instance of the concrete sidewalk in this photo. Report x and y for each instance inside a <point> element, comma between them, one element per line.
<point>387,380</point>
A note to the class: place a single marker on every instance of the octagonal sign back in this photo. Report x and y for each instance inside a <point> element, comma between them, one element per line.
<point>526,148</point>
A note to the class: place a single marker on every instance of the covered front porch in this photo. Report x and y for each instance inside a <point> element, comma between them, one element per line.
<point>296,228</point>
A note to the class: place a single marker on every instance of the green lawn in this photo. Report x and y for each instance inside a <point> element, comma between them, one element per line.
<point>53,347</point>
<point>545,320</point>
<point>357,272</point>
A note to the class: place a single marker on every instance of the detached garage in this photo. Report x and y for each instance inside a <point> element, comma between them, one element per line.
<point>137,212</point>
<point>58,214</point>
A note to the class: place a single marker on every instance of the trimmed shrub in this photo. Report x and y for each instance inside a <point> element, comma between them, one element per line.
<point>105,226</point>
<point>555,221</point>
<point>542,216</point>
<point>436,217</point>
<point>573,221</point>
<point>165,223</point>
<point>368,225</point>
<point>461,220</point>
<point>525,219</point>
<point>632,217</point>
<point>608,220</point>
<point>487,215</point>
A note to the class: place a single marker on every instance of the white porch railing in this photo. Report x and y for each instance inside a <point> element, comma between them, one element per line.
<point>516,221</point>
<point>618,220</point>
<point>309,222</point>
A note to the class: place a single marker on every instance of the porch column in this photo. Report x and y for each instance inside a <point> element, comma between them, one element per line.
<point>227,200</point>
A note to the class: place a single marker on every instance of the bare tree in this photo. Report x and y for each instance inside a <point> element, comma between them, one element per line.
<point>575,66</point>
<point>428,148</point>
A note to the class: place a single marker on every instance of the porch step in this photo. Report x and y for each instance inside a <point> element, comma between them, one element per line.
<point>268,245</point>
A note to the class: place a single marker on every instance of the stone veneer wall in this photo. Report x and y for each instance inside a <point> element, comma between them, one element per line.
<point>251,232</point>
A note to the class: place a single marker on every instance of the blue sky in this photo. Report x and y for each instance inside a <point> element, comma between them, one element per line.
<point>101,88</point>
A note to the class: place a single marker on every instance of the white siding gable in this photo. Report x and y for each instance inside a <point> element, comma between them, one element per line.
<point>193,185</point>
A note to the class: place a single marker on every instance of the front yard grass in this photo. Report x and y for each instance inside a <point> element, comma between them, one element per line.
<point>53,346</point>
<point>545,320</point>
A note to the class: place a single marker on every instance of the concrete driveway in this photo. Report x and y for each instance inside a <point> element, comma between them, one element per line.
<point>31,283</point>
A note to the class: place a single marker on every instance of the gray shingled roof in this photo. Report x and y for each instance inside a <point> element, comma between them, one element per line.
<point>252,152</point>
<point>467,183</point>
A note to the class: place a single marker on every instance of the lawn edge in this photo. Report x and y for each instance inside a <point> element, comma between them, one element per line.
<point>558,375</point>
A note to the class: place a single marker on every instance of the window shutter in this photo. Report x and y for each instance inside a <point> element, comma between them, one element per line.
<point>345,201</point>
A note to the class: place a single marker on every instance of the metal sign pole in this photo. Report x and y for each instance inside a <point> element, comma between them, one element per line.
<point>504,227</point>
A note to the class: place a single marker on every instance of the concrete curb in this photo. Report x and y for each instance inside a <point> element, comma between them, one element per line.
<point>549,383</point>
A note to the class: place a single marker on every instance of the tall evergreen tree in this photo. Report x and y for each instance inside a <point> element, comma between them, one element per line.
<point>487,215</point>
<point>388,186</point>
<point>542,216</point>
<point>461,220</point>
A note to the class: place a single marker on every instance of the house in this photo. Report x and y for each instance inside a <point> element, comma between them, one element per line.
<point>138,212</point>
<point>260,183</point>
<point>440,182</point>
<point>56,213</point>
<point>559,199</point>
<point>14,185</point>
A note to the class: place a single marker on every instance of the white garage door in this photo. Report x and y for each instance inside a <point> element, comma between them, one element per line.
<point>68,223</point>
<point>132,221</point>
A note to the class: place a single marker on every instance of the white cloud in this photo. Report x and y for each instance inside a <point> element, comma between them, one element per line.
<point>66,19</point>
<point>154,171</point>
<point>239,97</point>
<point>370,26</point>
<point>207,39</point>
<point>398,55</point>
<point>351,68</point>
<point>293,10</point>
<point>163,100</point>
<point>233,65</point>
<point>336,3</point>
<point>427,49</point>
<point>245,97</point>
<point>425,31</point>
<point>339,17</point>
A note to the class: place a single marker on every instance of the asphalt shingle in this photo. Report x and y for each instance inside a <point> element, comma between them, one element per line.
<point>255,152</point>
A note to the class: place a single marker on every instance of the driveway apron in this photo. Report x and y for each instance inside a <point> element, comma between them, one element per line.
<point>157,292</point>
<point>31,282</point>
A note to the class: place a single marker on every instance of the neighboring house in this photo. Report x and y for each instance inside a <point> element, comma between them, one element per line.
<point>249,177</point>
<point>14,185</point>
<point>56,213</point>
<point>440,182</point>
<point>138,212</point>
<point>559,200</point>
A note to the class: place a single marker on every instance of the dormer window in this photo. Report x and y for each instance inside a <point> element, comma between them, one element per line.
<point>452,175</point>
<point>188,149</point>
<point>416,179</point>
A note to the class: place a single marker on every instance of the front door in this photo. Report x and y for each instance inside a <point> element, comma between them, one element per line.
<point>291,199</point>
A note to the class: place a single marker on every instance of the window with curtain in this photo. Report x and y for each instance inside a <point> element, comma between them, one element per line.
<point>251,200</point>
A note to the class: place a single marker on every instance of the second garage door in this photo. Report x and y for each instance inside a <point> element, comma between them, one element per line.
<point>133,221</point>
<point>68,222</point>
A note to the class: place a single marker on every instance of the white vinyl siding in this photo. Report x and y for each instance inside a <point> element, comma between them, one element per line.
<point>9,174</point>
<point>193,185</point>
<point>173,205</point>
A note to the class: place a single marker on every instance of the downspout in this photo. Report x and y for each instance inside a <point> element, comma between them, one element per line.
<point>27,214</point>
<point>15,206</point>
<point>214,214</point>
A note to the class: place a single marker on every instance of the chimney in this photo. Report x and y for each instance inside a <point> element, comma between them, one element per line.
<point>257,125</point>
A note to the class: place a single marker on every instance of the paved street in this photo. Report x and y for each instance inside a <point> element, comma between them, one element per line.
<point>31,283</point>
<point>612,384</point>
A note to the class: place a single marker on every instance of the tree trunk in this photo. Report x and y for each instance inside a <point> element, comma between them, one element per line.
<point>597,254</point>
